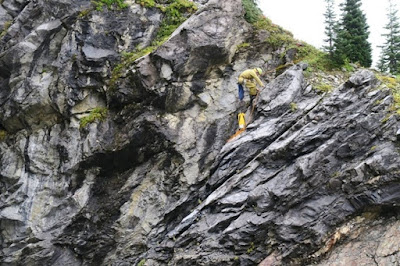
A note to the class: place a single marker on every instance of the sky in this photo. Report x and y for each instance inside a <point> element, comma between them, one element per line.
<point>305,19</point>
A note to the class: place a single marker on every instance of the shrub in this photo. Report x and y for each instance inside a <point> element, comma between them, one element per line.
<point>109,4</point>
<point>97,114</point>
<point>175,14</point>
<point>252,11</point>
<point>279,40</point>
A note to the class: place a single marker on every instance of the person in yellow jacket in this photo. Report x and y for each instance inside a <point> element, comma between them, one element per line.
<point>249,78</point>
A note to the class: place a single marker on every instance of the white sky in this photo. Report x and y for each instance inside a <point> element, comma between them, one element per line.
<point>305,19</point>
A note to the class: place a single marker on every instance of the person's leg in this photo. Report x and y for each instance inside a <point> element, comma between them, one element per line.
<point>252,91</point>
<point>252,97</point>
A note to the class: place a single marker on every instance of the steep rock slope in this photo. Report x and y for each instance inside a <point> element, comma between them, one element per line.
<point>155,182</point>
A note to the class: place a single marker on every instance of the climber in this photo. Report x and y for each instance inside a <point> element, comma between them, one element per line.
<point>249,78</point>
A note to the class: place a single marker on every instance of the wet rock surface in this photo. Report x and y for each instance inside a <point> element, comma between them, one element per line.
<point>314,177</point>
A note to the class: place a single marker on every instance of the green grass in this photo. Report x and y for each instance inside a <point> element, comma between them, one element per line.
<point>146,3</point>
<point>110,4</point>
<point>97,114</point>
<point>323,87</point>
<point>175,14</point>
<point>252,11</point>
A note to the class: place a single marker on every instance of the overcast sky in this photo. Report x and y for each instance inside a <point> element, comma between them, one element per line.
<point>305,19</point>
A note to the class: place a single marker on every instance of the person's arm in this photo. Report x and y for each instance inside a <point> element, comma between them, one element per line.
<point>254,75</point>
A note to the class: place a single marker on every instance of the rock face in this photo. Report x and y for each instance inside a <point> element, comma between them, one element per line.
<point>314,177</point>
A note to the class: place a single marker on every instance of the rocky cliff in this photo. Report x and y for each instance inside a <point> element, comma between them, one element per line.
<point>113,144</point>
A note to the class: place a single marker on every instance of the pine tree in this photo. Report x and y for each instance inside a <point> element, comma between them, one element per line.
<point>351,41</point>
<point>381,64</point>
<point>330,28</point>
<point>390,53</point>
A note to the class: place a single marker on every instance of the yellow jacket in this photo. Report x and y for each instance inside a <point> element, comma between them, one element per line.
<point>250,75</point>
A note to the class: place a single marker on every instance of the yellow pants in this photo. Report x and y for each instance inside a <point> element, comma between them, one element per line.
<point>250,85</point>
<point>252,88</point>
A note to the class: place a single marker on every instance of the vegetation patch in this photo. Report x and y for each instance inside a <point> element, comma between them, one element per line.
<point>251,248</point>
<point>142,262</point>
<point>393,83</point>
<point>242,46</point>
<point>127,59</point>
<point>146,3</point>
<point>6,26</point>
<point>252,11</point>
<point>3,134</point>
<point>293,107</point>
<point>97,114</point>
<point>176,12</point>
<point>110,4</point>
<point>279,40</point>
<point>84,13</point>
<point>323,87</point>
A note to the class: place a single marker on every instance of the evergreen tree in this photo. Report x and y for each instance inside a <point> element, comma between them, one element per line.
<point>351,41</point>
<point>330,27</point>
<point>390,54</point>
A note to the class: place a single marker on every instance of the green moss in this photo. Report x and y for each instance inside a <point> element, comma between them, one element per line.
<point>6,26</point>
<point>393,83</point>
<point>97,114</point>
<point>390,82</point>
<point>251,248</point>
<point>142,262</point>
<point>84,13</point>
<point>293,106</point>
<point>3,135</point>
<point>242,46</point>
<point>110,4</point>
<point>146,3</point>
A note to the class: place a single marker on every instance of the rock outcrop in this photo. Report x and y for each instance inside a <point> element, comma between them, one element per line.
<point>153,181</point>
